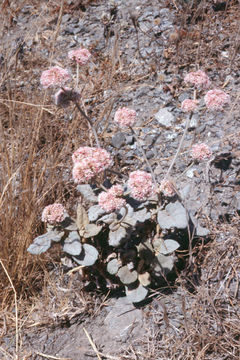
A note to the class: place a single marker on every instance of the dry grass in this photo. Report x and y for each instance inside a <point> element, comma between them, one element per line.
<point>36,143</point>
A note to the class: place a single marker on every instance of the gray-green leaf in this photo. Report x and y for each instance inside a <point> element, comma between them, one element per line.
<point>137,295</point>
<point>91,230</point>
<point>164,263</point>
<point>88,256</point>
<point>174,215</point>
<point>165,246</point>
<point>73,248</point>
<point>126,276</point>
<point>113,266</point>
<point>69,224</point>
<point>94,212</point>
<point>40,244</point>
<point>116,237</point>
<point>87,192</point>
<point>144,279</point>
<point>82,217</point>
<point>141,215</point>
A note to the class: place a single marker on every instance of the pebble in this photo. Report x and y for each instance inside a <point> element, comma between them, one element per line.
<point>118,140</point>
<point>165,117</point>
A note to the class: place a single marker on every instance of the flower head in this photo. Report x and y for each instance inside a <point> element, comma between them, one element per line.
<point>53,213</point>
<point>55,76</point>
<point>89,162</point>
<point>201,152</point>
<point>63,97</point>
<point>167,188</point>
<point>216,99</point>
<point>141,185</point>
<point>125,117</point>
<point>111,200</point>
<point>81,56</point>
<point>198,78</point>
<point>189,105</point>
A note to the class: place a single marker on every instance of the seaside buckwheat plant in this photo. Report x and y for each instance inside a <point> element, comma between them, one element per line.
<point>216,99</point>
<point>201,152</point>
<point>53,213</point>
<point>120,233</point>
<point>81,56</point>
<point>189,105</point>
<point>111,200</point>
<point>167,188</point>
<point>89,162</point>
<point>125,117</point>
<point>141,185</point>
<point>198,78</point>
<point>55,76</point>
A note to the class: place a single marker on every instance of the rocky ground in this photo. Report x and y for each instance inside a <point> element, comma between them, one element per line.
<point>141,52</point>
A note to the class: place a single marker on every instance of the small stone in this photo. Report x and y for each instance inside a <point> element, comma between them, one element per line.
<point>118,140</point>
<point>194,122</point>
<point>191,173</point>
<point>165,117</point>
<point>66,18</point>
<point>129,140</point>
<point>123,319</point>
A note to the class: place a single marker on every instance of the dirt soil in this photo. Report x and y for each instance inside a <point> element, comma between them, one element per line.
<point>198,315</point>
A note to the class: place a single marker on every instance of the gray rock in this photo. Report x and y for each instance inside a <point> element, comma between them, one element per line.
<point>129,140</point>
<point>118,140</point>
<point>165,117</point>
<point>194,122</point>
<point>236,201</point>
<point>66,18</point>
<point>122,319</point>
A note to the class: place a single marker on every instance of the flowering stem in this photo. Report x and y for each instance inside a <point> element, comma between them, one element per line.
<point>89,122</point>
<point>144,155</point>
<point>77,74</point>
<point>179,147</point>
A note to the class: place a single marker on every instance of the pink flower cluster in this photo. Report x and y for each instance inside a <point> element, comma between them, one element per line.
<point>111,200</point>
<point>216,99</point>
<point>141,185</point>
<point>55,76</point>
<point>81,56</point>
<point>63,97</point>
<point>167,188</point>
<point>198,78</point>
<point>201,152</point>
<point>89,162</point>
<point>125,117</point>
<point>53,213</point>
<point>189,105</point>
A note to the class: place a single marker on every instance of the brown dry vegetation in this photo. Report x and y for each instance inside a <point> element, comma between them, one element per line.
<point>35,148</point>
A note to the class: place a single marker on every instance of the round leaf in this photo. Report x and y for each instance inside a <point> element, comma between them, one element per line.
<point>113,266</point>
<point>126,276</point>
<point>73,248</point>
<point>87,192</point>
<point>174,215</point>
<point>69,224</point>
<point>40,244</point>
<point>137,295</point>
<point>88,255</point>
<point>144,279</point>
<point>163,263</point>
<point>165,246</point>
<point>91,230</point>
<point>94,212</point>
<point>115,237</point>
